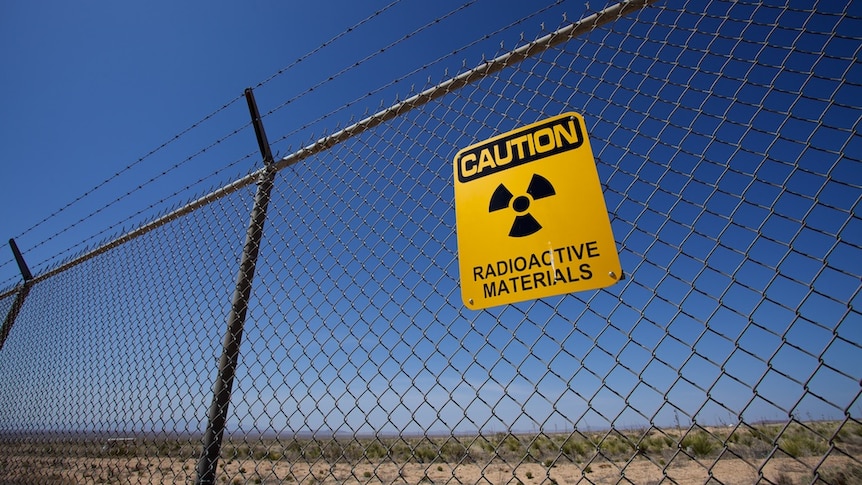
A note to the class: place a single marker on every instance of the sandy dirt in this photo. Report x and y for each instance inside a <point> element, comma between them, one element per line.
<point>59,470</point>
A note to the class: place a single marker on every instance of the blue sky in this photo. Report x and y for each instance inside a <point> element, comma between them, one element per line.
<point>95,88</point>
<point>730,171</point>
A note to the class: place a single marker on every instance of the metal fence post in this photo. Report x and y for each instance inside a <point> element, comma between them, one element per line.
<point>208,462</point>
<point>20,297</point>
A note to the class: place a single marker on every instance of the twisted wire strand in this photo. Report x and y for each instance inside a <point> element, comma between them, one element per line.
<point>176,166</point>
<point>149,154</point>
<point>405,76</point>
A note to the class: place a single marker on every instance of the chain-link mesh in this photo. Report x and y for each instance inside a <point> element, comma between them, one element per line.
<point>727,143</point>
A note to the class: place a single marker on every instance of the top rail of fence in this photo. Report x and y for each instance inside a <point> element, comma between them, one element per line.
<point>483,70</point>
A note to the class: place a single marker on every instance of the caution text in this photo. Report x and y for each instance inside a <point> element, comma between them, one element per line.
<point>519,147</point>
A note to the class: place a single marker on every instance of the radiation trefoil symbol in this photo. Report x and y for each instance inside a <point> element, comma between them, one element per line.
<point>524,224</point>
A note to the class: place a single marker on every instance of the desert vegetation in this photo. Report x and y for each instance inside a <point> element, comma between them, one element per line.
<point>785,453</point>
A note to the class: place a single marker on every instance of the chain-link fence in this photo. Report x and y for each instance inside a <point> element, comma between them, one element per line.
<point>726,140</point>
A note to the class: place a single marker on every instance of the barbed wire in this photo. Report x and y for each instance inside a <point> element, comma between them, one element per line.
<point>358,362</point>
<point>326,44</point>
<point>133,191</point>
<point>367,58</point>
<point>70,249</point>
<point>99,185</point>
<point>349,104</point>
<point>111,231</point>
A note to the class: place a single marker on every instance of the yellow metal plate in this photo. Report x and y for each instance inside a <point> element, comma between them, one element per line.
<point>530,214</point>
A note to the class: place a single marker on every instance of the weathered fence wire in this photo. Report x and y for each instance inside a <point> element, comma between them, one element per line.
<point>725,135</point>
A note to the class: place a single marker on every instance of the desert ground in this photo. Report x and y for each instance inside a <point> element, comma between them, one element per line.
<point>822,452</point>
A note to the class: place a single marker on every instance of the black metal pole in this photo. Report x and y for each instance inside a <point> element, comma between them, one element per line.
<point>13,313</point>
<point>19,298</point>
<point>236,318</point>
<point>22,265</point>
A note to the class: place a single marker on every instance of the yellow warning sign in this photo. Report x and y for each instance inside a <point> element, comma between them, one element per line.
<point>530,214</point>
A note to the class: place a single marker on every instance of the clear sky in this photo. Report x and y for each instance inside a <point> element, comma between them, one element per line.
<point>726,141</point>
<point>93,88</point>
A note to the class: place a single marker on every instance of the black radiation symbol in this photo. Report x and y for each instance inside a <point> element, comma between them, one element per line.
<point>525,224</point>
